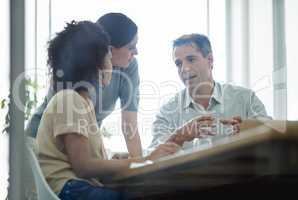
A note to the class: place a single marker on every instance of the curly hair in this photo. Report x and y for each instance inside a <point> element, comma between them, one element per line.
<point>77,53</point>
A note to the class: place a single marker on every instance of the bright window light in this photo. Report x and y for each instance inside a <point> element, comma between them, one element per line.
<point>291,7</point>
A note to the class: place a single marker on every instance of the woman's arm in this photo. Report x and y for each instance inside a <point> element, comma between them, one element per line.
<point>131,133</point>
<point>78,151</point>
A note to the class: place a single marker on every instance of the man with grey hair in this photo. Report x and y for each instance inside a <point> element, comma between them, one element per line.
<point>203,100</point>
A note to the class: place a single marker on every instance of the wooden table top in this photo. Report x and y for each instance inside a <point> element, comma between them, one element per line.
<point>261,148</point>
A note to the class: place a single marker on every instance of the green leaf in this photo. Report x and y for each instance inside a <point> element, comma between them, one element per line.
<point>3,103</point>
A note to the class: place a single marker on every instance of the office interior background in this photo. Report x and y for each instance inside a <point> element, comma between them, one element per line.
<point>254,45</point>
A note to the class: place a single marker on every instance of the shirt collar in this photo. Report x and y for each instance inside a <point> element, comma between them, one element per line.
<point>216,95</point>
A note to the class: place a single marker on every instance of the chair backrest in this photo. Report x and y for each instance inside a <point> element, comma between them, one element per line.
<point>44,192</point>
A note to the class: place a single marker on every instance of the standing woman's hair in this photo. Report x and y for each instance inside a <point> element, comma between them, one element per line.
<point>77,54</point>
<point>120,28</point>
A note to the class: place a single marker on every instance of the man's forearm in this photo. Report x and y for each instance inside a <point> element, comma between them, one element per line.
<point>177,137</point>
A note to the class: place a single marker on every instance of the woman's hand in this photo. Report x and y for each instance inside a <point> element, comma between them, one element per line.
<point>163,150</point>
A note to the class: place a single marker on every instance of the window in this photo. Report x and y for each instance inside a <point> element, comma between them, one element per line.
<point>261,51</point>
<point>291,17</point>
<point>217,35</point>
<point>37,34</point>
<point>250,48</point>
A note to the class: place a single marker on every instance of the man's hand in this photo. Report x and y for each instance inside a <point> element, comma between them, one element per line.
<point>191,130</point>
<point>163,150</point>
<point>235,122</point>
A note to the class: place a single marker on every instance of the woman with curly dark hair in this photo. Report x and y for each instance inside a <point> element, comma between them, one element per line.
<point>77,53</point>
<point>70,148</point>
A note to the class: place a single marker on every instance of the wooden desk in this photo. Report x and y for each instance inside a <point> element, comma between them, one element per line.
<point>263,153</point>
